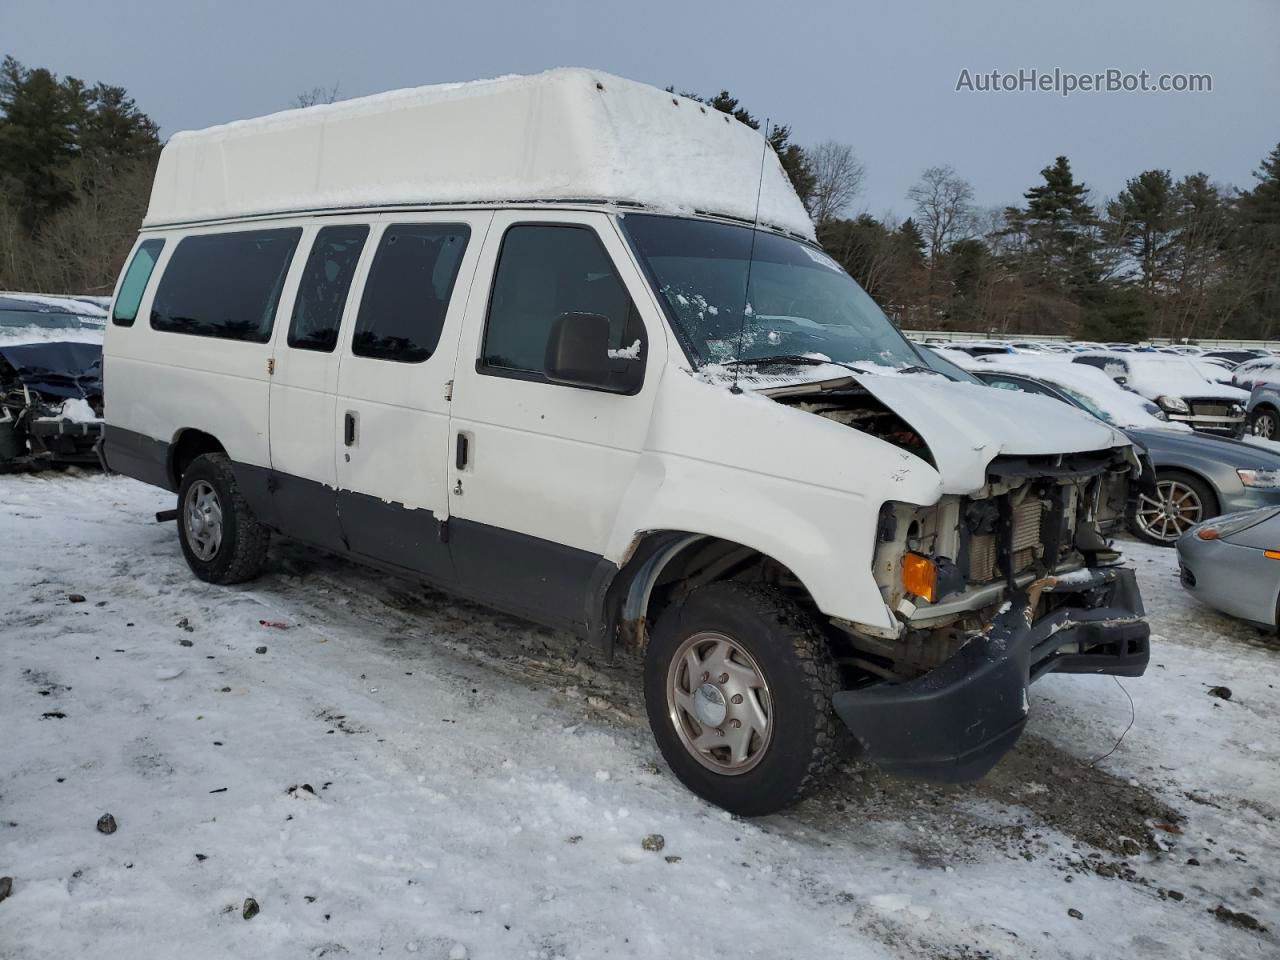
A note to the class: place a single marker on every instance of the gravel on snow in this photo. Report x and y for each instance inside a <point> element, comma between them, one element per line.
<point>363,766</point>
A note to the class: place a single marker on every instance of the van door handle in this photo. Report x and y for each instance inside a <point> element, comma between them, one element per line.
<point>349,429</point>
<point>460,461</point>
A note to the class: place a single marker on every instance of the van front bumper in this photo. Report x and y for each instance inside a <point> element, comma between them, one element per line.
<point>954,723</point>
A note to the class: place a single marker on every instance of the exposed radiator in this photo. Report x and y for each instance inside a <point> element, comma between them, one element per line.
<point>983,548</point>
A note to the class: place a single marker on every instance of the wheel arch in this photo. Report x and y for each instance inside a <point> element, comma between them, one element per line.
<point>187,444</point>
<point>666,565</point>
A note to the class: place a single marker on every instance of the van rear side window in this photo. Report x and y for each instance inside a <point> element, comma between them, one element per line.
<point>135,283</point>
<point>407,293</point>
<point>225,285</point>
<point>322,295</point>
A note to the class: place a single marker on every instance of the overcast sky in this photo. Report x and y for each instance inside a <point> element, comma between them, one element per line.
<point>878,75</point>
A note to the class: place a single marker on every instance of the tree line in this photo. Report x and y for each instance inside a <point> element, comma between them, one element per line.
<point>1178,257</point>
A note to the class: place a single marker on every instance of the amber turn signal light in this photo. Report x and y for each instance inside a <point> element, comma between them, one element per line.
<point>920,576</point>
<point>1208,533</point>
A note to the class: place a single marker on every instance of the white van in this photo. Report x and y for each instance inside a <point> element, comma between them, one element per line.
<point>519,339</point>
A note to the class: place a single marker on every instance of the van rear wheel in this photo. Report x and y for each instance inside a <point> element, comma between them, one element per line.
<point>221,539</point>
<point>738,683</point>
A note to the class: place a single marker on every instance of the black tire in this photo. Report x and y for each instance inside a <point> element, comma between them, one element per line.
<point>1265,423</point>
<point>1207,499</point>
<point>792,655</point>
<point>242,550</point>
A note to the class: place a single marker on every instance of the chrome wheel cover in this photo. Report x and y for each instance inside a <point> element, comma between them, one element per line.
<point>719,703</point>
<point>202,520</point>
<point>1175,510</point>
<point>1264,426</point>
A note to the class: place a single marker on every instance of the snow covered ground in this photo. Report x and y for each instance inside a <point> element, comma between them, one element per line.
<point>398,773</point>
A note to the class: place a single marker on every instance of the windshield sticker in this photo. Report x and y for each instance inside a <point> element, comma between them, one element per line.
<point>823,259</point>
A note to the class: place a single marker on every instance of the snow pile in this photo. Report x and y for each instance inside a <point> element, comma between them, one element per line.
<point>77,410</point>
<point>566,134</point>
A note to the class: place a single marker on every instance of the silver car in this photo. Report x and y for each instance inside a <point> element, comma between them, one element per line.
<point>1232,564</point>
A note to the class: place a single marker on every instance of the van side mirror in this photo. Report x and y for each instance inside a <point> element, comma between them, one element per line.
<point>578,353</point>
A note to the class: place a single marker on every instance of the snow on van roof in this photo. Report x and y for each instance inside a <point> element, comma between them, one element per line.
<point>566,134</point>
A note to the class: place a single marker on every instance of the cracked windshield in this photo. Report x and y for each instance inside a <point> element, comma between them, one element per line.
<point>801,304</point>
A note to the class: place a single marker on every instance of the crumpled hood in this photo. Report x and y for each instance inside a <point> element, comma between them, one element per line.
<point>966,425</point>
<point>56,369</point>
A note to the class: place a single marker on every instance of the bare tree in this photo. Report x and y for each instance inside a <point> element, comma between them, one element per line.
<point>944,208</point>
<point>837,175</point>
<point>317,95</point>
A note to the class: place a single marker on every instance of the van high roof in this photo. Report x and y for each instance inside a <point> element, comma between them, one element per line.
<point>564,135</point>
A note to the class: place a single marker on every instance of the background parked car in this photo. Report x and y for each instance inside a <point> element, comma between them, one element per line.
<point>1264,410</point>
<point>1242,355</point>
<point>1233,565</point>
<point>1198,475</point>
<point>1177,387</point>
<point>1253,372</point>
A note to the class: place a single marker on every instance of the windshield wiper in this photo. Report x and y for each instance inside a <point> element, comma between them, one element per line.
<point>801,359</point>
<point>793,358</point>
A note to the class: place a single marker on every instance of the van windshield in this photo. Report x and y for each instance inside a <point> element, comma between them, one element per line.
<point>801,303</point>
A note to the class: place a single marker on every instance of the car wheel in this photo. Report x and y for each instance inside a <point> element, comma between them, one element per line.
<point>738,681</point>
<point>221,539</point>
<point>1180,503</point>
<point>1266,424</point>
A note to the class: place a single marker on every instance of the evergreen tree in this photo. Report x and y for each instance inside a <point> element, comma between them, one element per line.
<point>1259,213</point>
<point>76,163</point>
<point>111,129</point>
<point>1142,220</point>
<point>1117,313</point>
<point>912,239</point>
<point>1261,205</point>
<point>37,141</point>
<point>1060,229</point>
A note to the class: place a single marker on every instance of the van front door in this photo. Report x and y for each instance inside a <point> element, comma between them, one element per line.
<point>392,414</point>
<point>304,382</point>
<point>539,469</point>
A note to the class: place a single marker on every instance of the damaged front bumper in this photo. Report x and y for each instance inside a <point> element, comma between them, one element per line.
<point>954,723</point>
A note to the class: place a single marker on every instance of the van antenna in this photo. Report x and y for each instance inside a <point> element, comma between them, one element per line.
<point>751,257</point>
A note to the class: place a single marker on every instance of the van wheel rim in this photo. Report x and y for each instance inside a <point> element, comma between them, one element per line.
<point>202,517</point>
<point>1264,427</point>
<point>719,703</point>
<point>1174,510</point>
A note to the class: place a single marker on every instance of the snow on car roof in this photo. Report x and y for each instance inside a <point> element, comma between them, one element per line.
<point>567,134</point>
<point>1124,407</point>
<point>85,307</point>
<point>1154,373</point>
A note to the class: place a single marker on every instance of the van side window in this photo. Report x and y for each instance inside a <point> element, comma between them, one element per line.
<point>407,294</point>
<point>134,286</point>
<point>225,285</point>
<point>326,280</point>
<point>543,273</point>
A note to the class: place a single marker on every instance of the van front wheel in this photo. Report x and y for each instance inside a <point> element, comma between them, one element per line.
<point>221,539</point>
<point>738,684</point>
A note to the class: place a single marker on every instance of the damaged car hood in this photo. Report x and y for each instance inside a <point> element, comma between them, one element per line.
<point>966,426</point>
<point>55,369</point>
